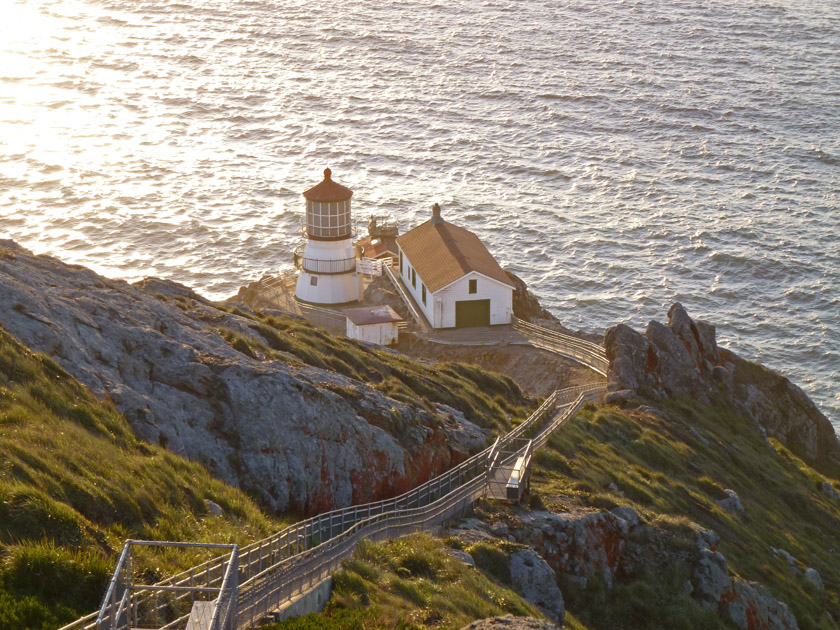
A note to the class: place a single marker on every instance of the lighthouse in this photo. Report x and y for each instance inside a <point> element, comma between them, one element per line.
<point>328,266</point>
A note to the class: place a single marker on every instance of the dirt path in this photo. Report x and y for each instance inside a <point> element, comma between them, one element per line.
<point>537,372</point>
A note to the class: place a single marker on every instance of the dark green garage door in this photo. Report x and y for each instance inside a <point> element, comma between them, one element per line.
<point>470,313</point>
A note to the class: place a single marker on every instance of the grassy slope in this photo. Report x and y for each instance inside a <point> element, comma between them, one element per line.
<point>410,584</point>
<point>74,483</point>
<point>485,398</point>
<point>672,477</point>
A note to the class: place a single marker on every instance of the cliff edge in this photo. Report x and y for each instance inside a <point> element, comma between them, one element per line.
<point>682,358</point>
<point>301,420</point>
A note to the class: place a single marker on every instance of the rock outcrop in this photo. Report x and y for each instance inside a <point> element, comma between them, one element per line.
<point>381,292</point>
<point>747,604</point>
<point>274,428</point>
<point>584,545</point>
<point>580,544</point>
<point>683,358</point>
<point>509,622</point>
<point>537,583</point>
<point>525,305</point>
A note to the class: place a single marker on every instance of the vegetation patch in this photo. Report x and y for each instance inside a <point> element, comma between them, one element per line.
<point>672,470</point>
<point>485,398</point>
<point>75,483</point>
<point>410,584</point>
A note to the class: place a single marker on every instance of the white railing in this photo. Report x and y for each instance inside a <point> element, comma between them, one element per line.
<point>327,266</point>
<point>416,315</point>
<point>370,266</point>
<point>590,354</point>
<point>276,568</point>
<point>130,605</point>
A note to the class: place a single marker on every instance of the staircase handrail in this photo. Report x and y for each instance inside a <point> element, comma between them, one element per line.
<point>301,537</point>
<point>548,332</point>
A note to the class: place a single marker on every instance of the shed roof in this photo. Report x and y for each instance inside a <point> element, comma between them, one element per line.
<point>364,315</point>
<point>441,253</point>
<point>376,246</point>
<point>328,190</point>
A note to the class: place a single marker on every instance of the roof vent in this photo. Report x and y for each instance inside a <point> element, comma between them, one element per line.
<point>436,218</point>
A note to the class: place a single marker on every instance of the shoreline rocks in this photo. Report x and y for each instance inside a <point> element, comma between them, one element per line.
<point>683,358</point>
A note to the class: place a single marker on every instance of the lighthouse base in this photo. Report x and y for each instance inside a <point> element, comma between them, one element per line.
<point>334,288</point>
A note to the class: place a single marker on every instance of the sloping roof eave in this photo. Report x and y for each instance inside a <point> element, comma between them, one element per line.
<point>446,253</point>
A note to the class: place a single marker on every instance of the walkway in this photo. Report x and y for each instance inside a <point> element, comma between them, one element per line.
<point>250,582</point>
<point>237,590</point>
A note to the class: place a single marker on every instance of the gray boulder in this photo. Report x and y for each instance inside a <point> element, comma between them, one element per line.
<point>829,489</point>
<point>710,579</point>
<point>752,606</point>
<point>732,502</point>
<point>463,556</point>
<point>537,583</point>
<point>814,577</point>
<point>509,622</point>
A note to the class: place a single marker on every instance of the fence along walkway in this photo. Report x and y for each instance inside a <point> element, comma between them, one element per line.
<point>274,570</point>
<point>590,354</point>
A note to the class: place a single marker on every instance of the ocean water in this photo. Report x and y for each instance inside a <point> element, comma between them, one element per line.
<point>617,154</point>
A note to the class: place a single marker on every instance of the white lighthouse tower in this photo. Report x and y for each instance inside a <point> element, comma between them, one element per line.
<point>328,267</point>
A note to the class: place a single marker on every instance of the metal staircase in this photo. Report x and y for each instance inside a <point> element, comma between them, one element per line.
<point>240,588</point>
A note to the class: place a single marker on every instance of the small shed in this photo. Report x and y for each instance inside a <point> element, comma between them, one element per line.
<point>373,324</point>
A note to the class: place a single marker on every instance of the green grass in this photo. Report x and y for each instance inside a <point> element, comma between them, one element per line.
<point>410,584</point>
<point>608,456</point>
<point>75,482</point>
<point>488,399</point>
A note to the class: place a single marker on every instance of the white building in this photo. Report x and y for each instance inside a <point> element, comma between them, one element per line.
<point>328,266</point>
<point>374,324</point>
<point>455,281</point>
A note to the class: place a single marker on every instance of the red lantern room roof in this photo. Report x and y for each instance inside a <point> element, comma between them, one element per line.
<point>328,190</point>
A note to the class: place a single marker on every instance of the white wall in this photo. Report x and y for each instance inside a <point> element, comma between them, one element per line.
<point>440,307</point>
<point>384,334</point>
<point>500,296</point>
<point>417,292</point>
<point>330,288</point>
<point>339,288</point>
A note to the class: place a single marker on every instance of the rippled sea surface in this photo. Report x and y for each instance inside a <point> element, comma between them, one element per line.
<point>618,155</point>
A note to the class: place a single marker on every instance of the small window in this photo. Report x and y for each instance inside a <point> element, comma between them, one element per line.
<point>413,278</point>
<point>313,281</point>
<point>423,289</point>
<point>401,262</point>
<point>473,286</point>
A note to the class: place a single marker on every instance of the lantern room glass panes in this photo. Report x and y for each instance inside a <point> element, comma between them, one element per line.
<point>328,219</point>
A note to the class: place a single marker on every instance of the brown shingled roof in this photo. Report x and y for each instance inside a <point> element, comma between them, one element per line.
<point>328,190</point>
<point>444,252</point>
<point>372,315</point>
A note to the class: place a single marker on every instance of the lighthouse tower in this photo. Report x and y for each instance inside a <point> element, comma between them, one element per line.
<point>328,267</point>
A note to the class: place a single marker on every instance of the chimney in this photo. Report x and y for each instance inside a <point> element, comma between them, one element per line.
<point>436,218</point>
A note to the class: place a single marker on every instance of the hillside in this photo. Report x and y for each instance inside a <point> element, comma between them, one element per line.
<point>301,420</point>
<point>75,483</point>
<point>713,507</point>
<point>87,463</point>
<point>704,494</point>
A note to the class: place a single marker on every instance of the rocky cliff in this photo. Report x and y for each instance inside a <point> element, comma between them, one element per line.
<point>207,384</point>
<point>682,358</point>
